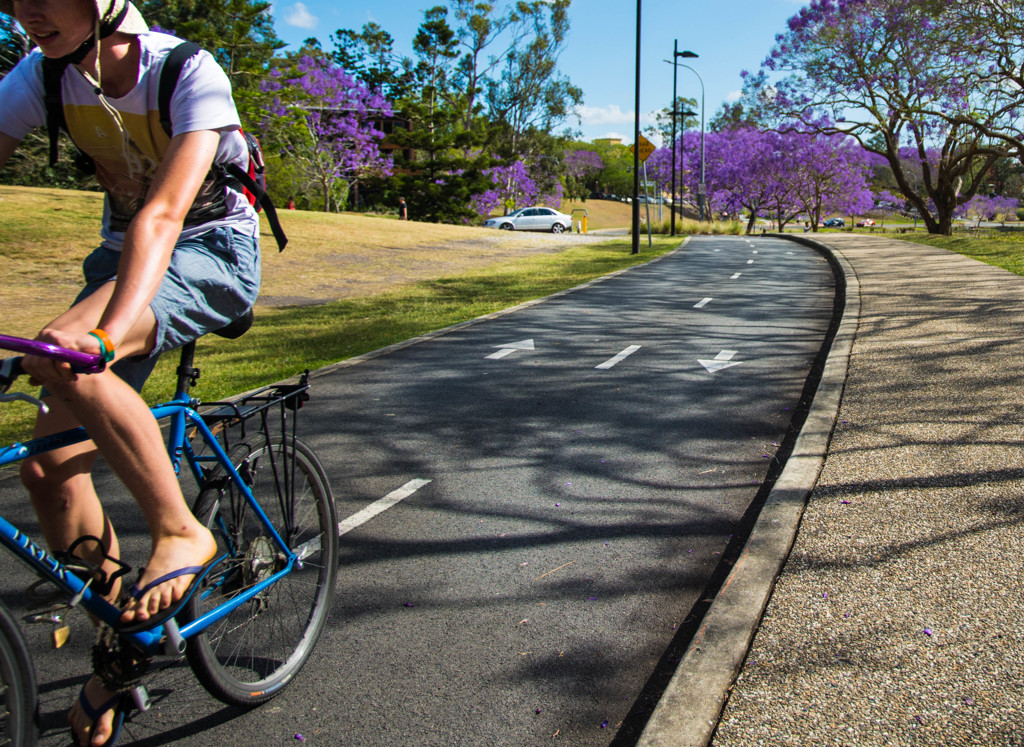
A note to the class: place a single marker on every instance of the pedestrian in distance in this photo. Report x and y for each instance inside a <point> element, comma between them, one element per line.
<point>403,210</point>
<point>179,258</point>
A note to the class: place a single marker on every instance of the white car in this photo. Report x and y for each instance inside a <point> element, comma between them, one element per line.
<point>532,219</point>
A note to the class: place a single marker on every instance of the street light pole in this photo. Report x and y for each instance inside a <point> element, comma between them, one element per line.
<point>702,189</point>
<point>636,143</point>
<point>676,54</point>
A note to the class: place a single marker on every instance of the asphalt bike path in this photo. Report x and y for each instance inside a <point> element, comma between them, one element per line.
<point>531,507</point>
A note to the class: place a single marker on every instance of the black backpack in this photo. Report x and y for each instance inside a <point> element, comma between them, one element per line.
<point>250,182</point>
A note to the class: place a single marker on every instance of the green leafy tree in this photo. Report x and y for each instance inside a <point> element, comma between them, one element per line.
<point>13,44</point>
<point>529,92</point>
<point>662,128</point>
<point>368,55</point>
<point>436,48</point>
<point>447,169</point>
<point>733,116</point>
<point>239,33</point>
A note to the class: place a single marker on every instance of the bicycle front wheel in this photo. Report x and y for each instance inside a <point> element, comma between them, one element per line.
<point>247,657</point>
<point>17,685</point>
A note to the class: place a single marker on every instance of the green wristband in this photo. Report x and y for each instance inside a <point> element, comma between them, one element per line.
<point>101,337</point>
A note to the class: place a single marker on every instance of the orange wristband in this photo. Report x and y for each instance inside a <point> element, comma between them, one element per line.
<point>106,345</point>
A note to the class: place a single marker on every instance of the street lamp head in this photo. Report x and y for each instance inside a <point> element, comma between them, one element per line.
<point>686,113</point>
<point>688,54</point>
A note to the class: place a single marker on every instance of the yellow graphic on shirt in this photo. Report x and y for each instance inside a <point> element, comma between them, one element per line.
<point>127,159</point>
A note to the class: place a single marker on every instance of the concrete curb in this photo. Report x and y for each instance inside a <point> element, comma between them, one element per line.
<point>688,712</point>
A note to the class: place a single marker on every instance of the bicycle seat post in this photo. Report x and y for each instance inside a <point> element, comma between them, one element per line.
<point>188,374</point>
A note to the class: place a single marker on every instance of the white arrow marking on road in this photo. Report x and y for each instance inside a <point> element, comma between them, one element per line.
<point>722,360</point>
<point>702,304</point>
<point>511,347</point>
<point>620,357</point>
<point>736,276</point>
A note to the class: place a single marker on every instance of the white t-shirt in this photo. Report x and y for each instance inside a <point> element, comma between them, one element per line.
<point>125,162</point>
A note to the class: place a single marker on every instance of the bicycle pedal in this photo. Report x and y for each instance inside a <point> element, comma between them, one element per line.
<point>60,636</point>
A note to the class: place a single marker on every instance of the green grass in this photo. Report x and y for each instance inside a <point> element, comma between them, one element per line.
<point>1000,250</point>
<point>284,341</point>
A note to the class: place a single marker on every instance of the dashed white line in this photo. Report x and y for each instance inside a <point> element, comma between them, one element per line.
<point>361,517</point>
<point>736,276</point>
<point>620,357</point>
<point>701,304</point>
<point>750,261</point>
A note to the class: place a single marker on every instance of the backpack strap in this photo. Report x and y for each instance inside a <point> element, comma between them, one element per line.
<point>169,75</point>
<point>53,72</point>
<point>262,198</point>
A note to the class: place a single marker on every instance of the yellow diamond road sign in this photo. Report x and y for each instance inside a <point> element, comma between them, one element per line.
<point>646,147</point>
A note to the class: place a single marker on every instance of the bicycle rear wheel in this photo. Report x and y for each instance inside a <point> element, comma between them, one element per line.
<point>17,685</point>
<point>247,657</point>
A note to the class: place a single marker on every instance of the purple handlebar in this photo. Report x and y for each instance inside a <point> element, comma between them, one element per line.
<point>81,362</point>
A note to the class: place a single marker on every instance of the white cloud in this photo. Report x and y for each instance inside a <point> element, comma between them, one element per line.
<point>612,114</point>
<point>299,15</point>
<point>734,96</point>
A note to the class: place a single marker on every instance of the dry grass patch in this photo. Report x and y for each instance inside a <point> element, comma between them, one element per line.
<point>45,234</point>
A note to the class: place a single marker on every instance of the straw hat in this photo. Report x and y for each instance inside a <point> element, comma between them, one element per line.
<point>131,21</point>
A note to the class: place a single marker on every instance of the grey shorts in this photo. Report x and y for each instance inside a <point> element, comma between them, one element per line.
<point>212,280</point>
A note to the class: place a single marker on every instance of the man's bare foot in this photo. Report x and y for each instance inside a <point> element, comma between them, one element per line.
<point>171,556</point>
<point>92,715</point>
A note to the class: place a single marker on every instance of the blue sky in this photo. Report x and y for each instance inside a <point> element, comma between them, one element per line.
<point>729,35</point>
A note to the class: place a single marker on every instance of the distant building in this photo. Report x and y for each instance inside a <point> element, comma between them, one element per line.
<point>388,125</point>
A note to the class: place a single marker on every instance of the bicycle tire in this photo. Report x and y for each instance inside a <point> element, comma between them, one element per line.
<point>18,694</point>
<point>246,658</point>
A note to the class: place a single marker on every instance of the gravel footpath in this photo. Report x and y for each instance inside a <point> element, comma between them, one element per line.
<point>897,619</point>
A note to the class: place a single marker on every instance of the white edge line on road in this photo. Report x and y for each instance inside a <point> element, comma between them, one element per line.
<point>361,517</point>
<point>620,357</point>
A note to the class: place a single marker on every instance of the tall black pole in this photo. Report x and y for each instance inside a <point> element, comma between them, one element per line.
<point>636,143</point>
<point>672,207</point>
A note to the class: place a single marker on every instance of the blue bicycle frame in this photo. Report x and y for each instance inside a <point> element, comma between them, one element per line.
<point>182,416</point>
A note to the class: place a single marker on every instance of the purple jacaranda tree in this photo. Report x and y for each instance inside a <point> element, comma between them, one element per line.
<point>745,168</point>
<point>770,173</point>
<point>513,188</point>
<point>833,175</point>
<point>990,208</point>
<point>882,72</point>
<point>993,31</point>
<point>333,132</point>
<point>579,168</point>
<point>687,167</point>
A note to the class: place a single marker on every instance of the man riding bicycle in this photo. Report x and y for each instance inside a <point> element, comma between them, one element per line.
<point>179,258</point>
